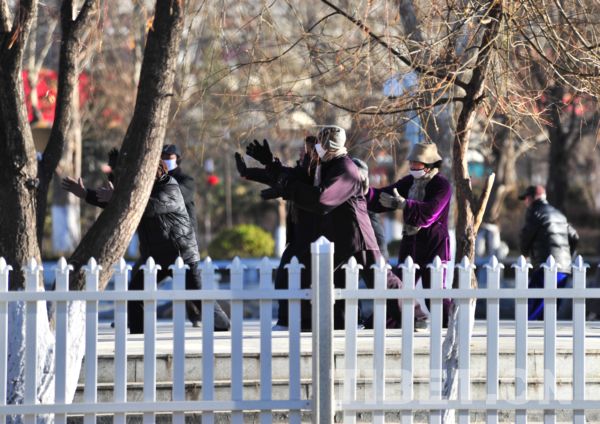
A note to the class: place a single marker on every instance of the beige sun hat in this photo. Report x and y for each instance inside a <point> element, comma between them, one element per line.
<point>426,153</point>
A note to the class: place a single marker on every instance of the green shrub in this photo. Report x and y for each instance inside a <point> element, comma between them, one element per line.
<point>245,241</point>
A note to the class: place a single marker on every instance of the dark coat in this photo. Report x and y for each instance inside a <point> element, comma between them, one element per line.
<point>546,232</point>
<point>340,207</point>
<point>187,186</point>
<point>431,214</point>
<point>165,230</point>
<point>301,224</point>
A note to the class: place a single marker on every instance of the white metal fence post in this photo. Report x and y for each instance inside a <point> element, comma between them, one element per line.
<point>465,269</point>
<point>4,274</point>
<point>322,324</point>
<point>61,272</point>
<point>550,333</point>
<point>178,270</point>
<point>408,321</point>
<point>32,284</point>
<point>266,344</point>
<point>437,269</point>
<point>494,270</point>
<point>150,272</point>
<point>120,387</point>
<point>521,326</point>
<point>352,269</point>
<point>236,270</point>
<point>92,275</point>
<point>379,328</point>
<point>294,269</point>
<point>208,333</point>
<point>579,270</point>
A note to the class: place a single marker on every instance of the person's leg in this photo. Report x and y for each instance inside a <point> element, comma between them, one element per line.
<point>281,283</point>
<point>135,308</point>
<point>564,307</point>
<point>536,306</point>
<point>193,308</point>
<point>193,282</point>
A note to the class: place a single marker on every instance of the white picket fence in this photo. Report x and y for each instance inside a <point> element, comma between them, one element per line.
<point>323,405</point>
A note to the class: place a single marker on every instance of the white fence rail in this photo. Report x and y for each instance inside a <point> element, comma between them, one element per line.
<point>323,404</point>
<point>149,406</point>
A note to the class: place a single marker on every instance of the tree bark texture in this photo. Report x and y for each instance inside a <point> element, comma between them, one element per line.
<point>557,184</point>
<point>108,238</point>
<point>72,45</point>
<point>18,176</point>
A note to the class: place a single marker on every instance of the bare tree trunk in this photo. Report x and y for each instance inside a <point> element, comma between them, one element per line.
<point>74,30</point>
<point>18,176</point>
<point>469,209</point>
<point>558,163</point>
<point>66,228</point>
<point>108,238</point>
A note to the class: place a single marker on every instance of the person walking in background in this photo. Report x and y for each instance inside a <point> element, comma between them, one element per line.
<point>424,198</point>
<point>546,232</point>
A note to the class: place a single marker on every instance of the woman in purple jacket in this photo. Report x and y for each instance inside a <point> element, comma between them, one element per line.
<point>424,198</point>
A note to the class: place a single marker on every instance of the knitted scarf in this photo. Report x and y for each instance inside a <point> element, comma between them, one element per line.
<point>417,192</point>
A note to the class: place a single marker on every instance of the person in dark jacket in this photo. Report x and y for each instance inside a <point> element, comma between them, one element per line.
<point>424,198</point>
<point>546,232</point>
<point>336,198</point>
<point>171,156</point>
<point>300,224</point>
<point>165,232</point>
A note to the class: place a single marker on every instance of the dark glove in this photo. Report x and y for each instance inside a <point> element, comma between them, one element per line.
<point>270,193</point>
<point>260,152</point>
<point>241,165</point>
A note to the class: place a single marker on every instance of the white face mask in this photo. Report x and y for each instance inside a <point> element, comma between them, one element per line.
<point>320,150</point>
<point>171,163</point>
<point>417,173</point>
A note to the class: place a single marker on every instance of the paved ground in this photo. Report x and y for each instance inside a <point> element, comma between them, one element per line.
<point>365,339</point>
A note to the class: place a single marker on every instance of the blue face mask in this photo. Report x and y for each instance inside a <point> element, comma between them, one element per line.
<point>171,163</point>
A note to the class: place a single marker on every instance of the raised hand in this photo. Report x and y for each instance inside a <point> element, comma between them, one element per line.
<point>73,186</point>
<point>260,152</point>
<point>105,193</point>
<point>240,164</point>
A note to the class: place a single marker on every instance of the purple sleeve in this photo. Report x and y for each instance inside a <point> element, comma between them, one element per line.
<point>402,185</point>
<point>424,213</point>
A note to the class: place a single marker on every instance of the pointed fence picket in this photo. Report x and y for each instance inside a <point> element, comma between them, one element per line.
<point>322,405</point>
<point>4,275</point>
<point>236,270</point>
<point>437,269</point>
<point>121,275</point>
<point>62,285</point>
<point>32,284</point>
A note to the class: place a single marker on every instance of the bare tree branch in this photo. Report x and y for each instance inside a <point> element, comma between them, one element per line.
<point>481,203</point>
<point>396,53</point>
<point>4,16</point>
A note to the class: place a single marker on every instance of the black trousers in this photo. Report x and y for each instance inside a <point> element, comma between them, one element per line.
<point>135,308</point>
<point>364,258</point>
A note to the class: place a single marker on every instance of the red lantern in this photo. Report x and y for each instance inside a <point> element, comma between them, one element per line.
<point>212,180</point>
